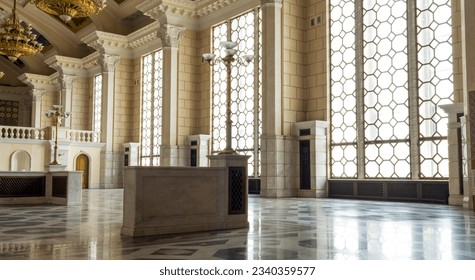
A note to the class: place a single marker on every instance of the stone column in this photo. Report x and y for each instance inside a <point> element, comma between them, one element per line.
<point>111,162</point>
<point>65,96</point>
<point>468,70</point>
<point>169,151</point>
<point>272,140</point>
<point>108,64</point>
<point>37,95</point>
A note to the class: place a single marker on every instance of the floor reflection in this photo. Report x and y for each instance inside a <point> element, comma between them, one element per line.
<point>325,229</point>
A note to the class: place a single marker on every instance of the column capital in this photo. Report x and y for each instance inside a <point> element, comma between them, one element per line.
<point>109,62</point>
<point>37,94</point>
<point>271,2</point>
<point>170,35</point>
<point>66,81</point>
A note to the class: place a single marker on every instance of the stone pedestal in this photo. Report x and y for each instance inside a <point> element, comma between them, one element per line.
<point>200,143</point>
<point>456,177</point>
<point>237,187</point>
<point>315,132</point>
<point>131,154</point>
<point>467,173</point>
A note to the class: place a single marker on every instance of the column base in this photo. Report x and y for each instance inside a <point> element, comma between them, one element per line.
<point>111,170</point>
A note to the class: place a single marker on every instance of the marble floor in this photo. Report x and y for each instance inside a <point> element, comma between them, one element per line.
<point>304,229</point>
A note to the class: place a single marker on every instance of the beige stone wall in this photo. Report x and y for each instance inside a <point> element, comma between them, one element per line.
<point>457,46</point>
<point>188,85</point>
<point>47,101</point>
<point>294,55</point>
<point>204,102</point>
<point>80,109</point>
<point>316,60</point>
<point>123,102</point>
<point>136,100</point>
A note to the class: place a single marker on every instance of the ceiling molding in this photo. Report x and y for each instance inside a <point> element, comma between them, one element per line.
<point>195,15</point>
<point>67,65</point>
<point>40,81</point>
<point>124,46</point>
<point>91,63</point>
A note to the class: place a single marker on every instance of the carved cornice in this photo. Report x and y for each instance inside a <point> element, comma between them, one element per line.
<point>186,8</point>
<point>40,82</point>
<point>171,35</point>
<point>271,2</point>
<point>143,36</point>
<point>101,41</point>
<point>65,65</point>
<point>114,44</point>
<point>91,61</point>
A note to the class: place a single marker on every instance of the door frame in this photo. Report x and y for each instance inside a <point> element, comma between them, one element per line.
<point>88,178</point>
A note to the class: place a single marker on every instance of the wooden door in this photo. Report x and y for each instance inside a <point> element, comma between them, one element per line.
<point>82,164</point>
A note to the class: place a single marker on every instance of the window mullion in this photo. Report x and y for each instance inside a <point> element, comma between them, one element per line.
<point>256,92</point>
<point>413,89</point>
<point>359,62</point>
<point>152,116</point>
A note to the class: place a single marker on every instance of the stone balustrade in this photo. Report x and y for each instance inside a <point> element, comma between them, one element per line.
<point>22,133</point>
<point>29,133</point>
<point>84,136</point>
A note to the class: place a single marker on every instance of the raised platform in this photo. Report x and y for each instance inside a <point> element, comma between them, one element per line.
<point>62,187</point>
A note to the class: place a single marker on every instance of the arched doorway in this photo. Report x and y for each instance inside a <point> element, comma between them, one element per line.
<point>82,164</point>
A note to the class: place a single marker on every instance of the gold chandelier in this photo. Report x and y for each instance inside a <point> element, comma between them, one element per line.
<point>67,9</point>
<point>16,40</point>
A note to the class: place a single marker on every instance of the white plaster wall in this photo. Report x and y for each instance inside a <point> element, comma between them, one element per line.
<point>36,149</point>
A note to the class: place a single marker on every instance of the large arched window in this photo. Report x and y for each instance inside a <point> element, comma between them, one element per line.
<point>246,89</point>
<point>151,119</point>
<point>391,67</point>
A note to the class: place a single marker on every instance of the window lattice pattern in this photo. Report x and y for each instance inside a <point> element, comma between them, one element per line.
<point>97,107</point>
<point>386,99</point>
<point>9,112</point>
<point>384,138</point>
<point>246,89</point>
<point>151,108</point>
<point>343,84</point>
<point>434,37</point>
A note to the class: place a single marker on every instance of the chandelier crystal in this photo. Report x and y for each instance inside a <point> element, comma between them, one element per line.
<point>67,9</point>
<point>16,40</point>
